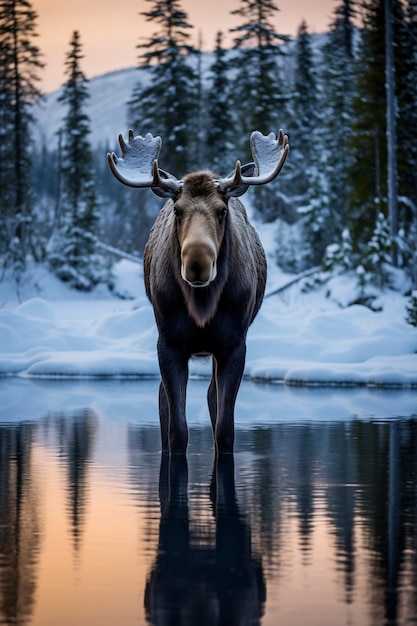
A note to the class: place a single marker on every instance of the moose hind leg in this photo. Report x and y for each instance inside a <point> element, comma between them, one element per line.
<point>163,417</point>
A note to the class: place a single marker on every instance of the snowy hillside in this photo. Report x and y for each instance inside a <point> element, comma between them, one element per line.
<point>107,109</point>
<point>297,338</point>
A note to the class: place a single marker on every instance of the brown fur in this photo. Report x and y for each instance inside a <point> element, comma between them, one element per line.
<point>212,319</point>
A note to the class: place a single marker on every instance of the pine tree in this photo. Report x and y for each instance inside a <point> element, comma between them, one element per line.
<point>338,90</point>
<point>20,60</point>
<point>258,100</point>
<point>367,169</point>
<point>73,245</point>
<point>305,101</point>
<point>377,253</point>
<point>316,226</point>
<point>166,104</point>
<point>338,256</point>
<point>220,132</point>
<point>406,78</point>
<point>258,97</point>
<point>411,309</point>
<point>308,157</point>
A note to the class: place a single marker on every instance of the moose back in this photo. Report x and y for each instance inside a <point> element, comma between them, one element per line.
<point>205,275</point>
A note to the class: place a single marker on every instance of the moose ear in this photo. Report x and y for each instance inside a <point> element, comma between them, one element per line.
<point>240,189</point>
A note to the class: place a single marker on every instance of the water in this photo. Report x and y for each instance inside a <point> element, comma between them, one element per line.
<point>312,522</point>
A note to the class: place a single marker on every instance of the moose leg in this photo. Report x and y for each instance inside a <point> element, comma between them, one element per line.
<point>230,366</point>
<point>212,396</point>
<point>174,372</point>
<point>163,417</point>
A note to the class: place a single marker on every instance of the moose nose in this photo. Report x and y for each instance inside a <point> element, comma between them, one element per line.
<point>197,275</point>
<point>198,266</point>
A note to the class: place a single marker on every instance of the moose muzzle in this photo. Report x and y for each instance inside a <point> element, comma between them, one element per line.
<point>198,263</point>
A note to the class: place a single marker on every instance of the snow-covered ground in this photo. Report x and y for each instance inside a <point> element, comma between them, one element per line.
<point>297,338</point>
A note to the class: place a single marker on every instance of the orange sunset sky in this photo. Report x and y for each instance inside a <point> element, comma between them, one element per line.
<point>111,29</point>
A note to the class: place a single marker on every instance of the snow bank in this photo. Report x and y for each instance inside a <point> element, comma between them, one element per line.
<point>257,404</point>
<point>297,339</point>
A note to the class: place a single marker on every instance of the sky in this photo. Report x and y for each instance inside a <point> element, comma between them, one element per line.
<point>110,30</point>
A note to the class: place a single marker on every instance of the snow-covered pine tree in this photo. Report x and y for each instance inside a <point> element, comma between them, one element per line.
<point>72,250</point>
<point>308,155</point>
<point>164,100</point>
<point>376,259</point>
<point>220,131</point>
<point>258,99</point>
<point>20,60</point>
<point>316,225</point>
<point>305,100</point>
<point>411,309</point>
<point>338,256</point>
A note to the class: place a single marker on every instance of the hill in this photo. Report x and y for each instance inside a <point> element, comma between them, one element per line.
<point>107,109</point>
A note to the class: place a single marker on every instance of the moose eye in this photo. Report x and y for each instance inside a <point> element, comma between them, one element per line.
<point>221,215</point>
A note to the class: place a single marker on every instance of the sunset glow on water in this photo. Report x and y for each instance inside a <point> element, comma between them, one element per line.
<point>311,522</point>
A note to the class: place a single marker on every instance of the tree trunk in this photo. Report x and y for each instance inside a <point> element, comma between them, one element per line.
<point>391,131</point>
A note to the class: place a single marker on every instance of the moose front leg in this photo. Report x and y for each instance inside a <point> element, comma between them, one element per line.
<point>164,417</point>
<point>174,372</point>
<point>230,367</point>
<point>212,396</point>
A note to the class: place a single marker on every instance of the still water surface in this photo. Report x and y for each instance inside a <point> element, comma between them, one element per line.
<point>312,522</point>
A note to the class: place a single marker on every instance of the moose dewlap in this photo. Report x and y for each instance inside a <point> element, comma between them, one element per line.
<point>205,274</point>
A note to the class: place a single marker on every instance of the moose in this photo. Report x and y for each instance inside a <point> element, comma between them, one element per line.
<point>205,274</point>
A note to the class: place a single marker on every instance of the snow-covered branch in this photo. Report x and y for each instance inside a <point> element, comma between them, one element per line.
<point>293,281</point>
<point>120,253</point>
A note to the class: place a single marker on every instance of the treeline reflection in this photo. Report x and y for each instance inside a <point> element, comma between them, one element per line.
<point>20,526</point>
<point>361,477</point>
<point>216,533</point>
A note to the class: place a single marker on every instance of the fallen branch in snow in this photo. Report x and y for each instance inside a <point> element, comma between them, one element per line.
<point>293,281</point>
<point>123,255</point>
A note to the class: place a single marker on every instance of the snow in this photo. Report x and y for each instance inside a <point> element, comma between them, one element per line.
<point>106,108</point>
<point>298,338</point>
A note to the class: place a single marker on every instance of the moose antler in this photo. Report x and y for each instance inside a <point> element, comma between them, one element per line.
<point>139,165</point>
<point>269,153</point>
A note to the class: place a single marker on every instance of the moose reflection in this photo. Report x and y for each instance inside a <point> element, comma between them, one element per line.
<point>197,578</point>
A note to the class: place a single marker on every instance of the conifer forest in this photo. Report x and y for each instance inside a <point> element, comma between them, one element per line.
<point>346,200</point>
